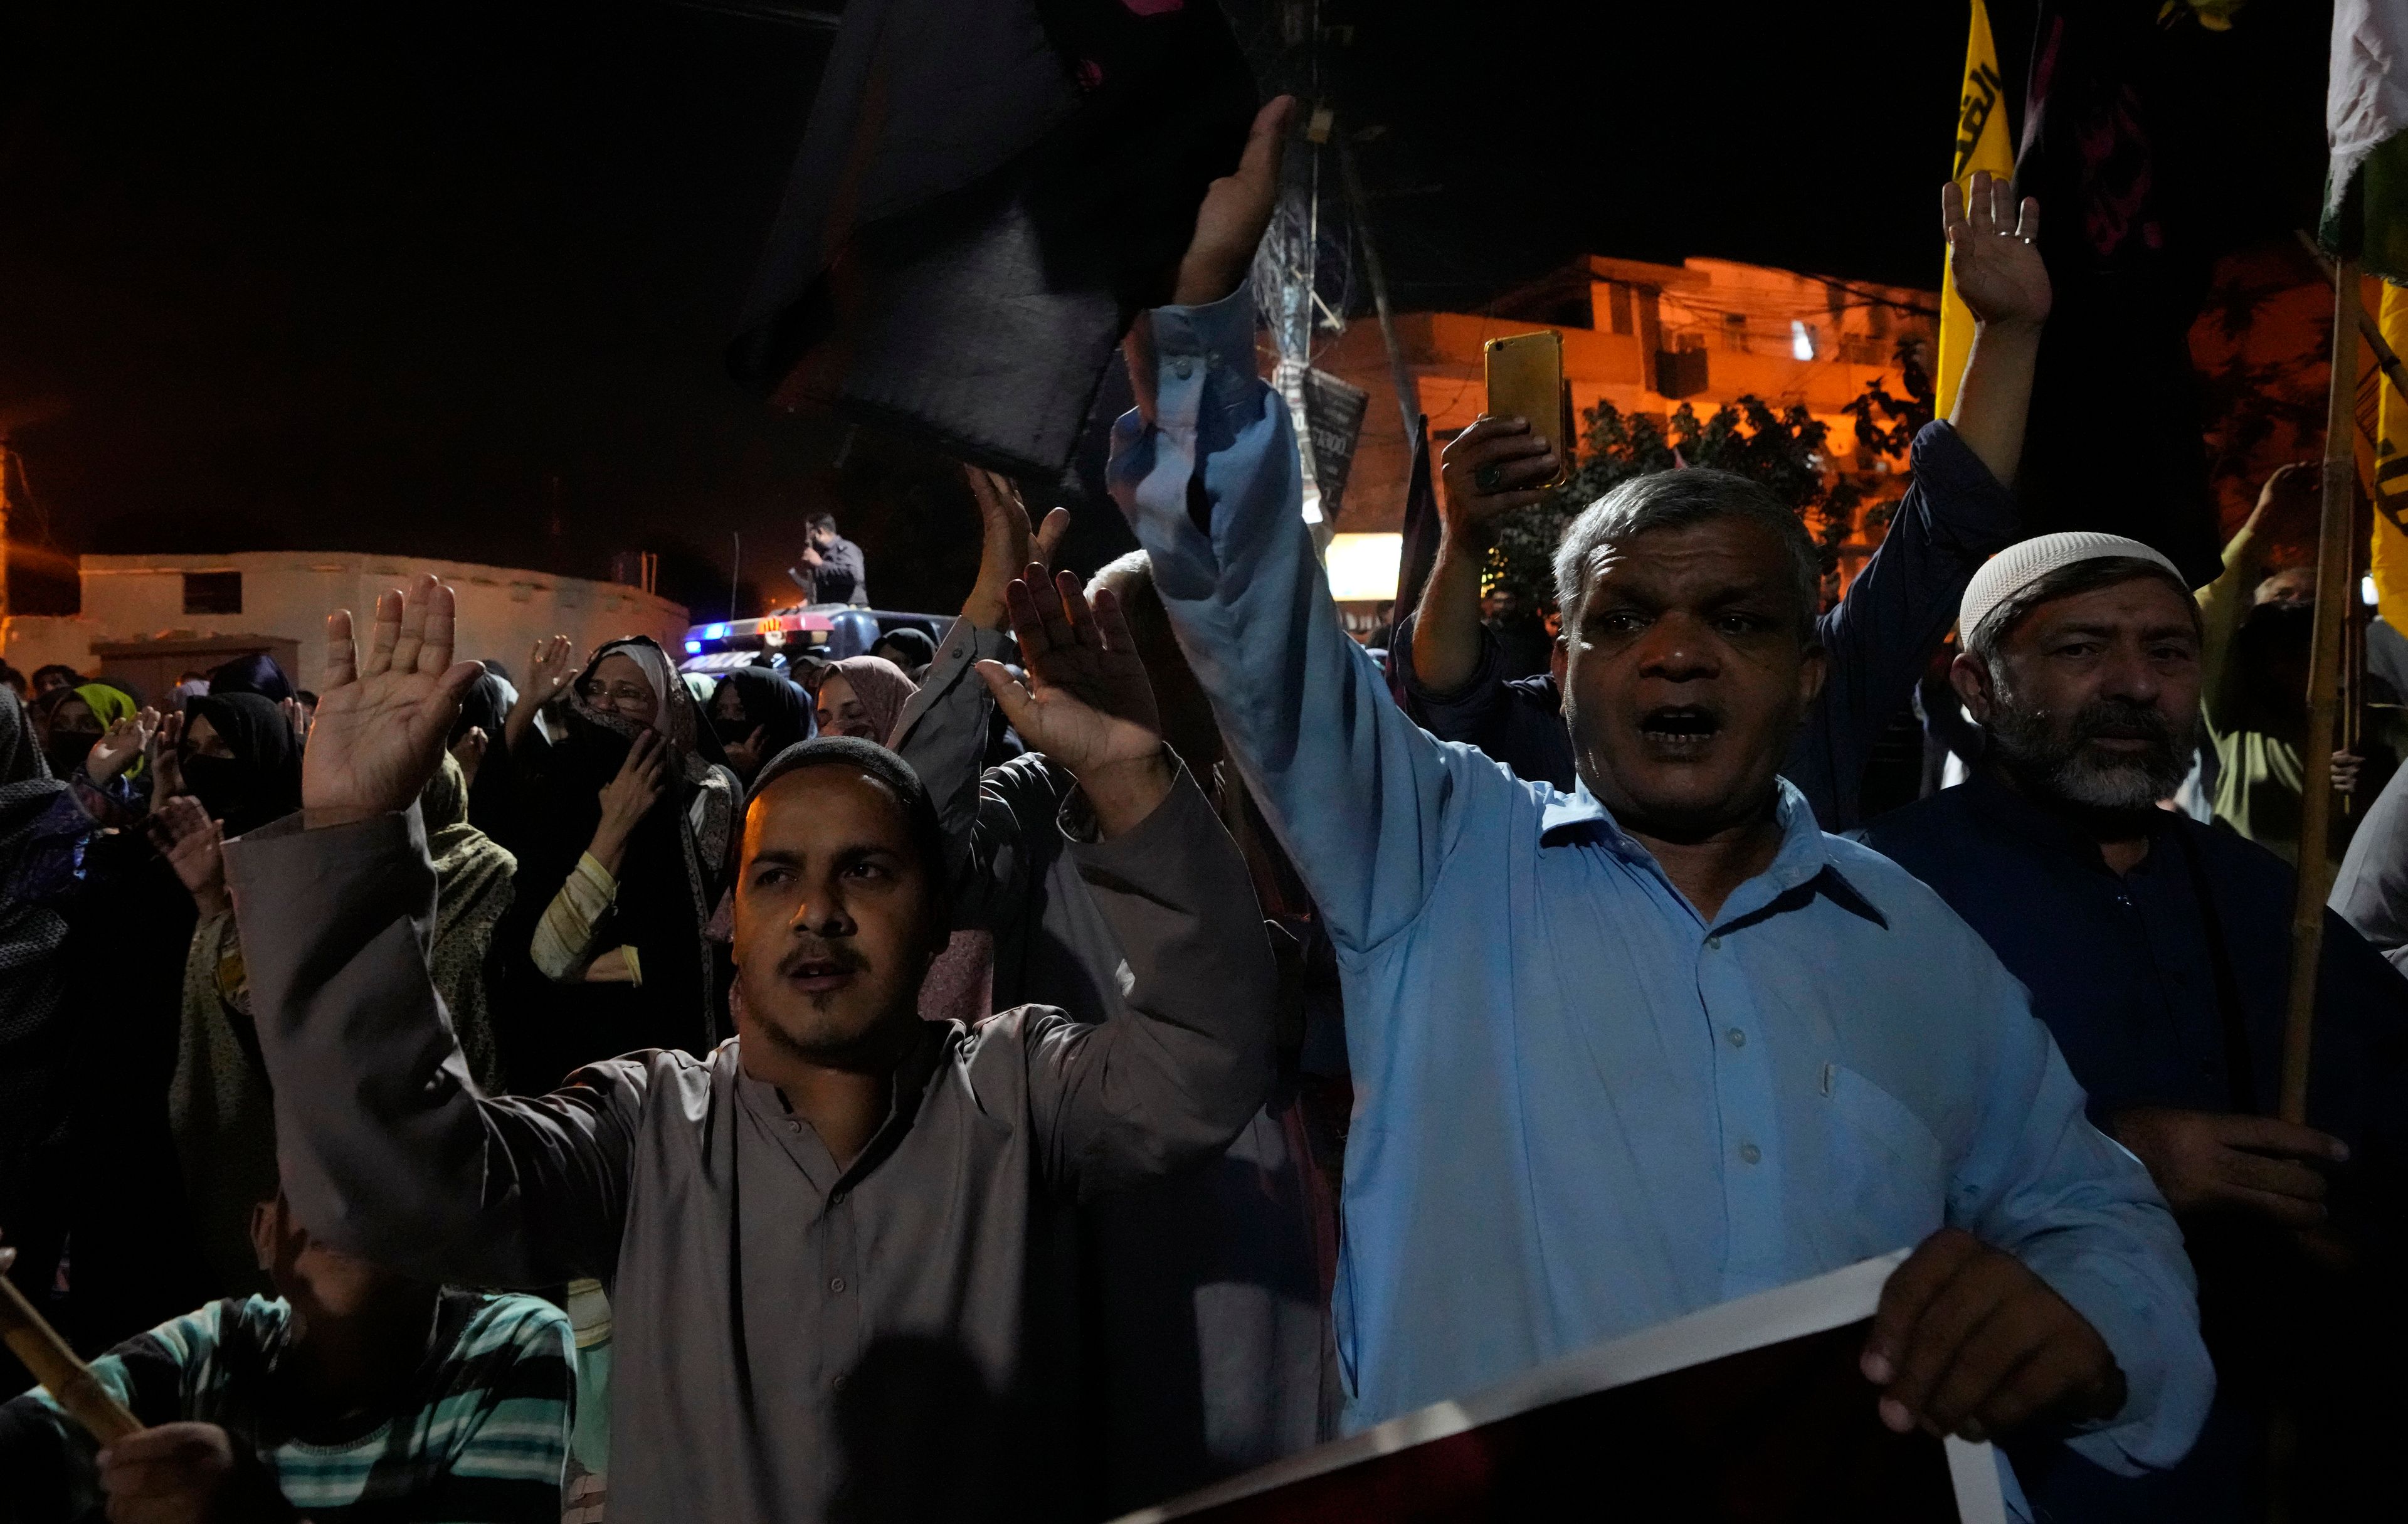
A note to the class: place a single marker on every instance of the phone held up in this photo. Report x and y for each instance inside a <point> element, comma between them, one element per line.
<point>1525,379</point>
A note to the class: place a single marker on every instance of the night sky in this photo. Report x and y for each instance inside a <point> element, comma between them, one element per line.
<point>454,281</point>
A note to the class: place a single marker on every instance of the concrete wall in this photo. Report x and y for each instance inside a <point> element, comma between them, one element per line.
<point>286,596</point>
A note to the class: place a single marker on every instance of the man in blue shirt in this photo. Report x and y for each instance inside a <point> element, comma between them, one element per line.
<point>2158,950</point>
<point>1632,1051</point>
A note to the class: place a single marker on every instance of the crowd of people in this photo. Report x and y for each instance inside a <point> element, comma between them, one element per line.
<point>1147,1033</point>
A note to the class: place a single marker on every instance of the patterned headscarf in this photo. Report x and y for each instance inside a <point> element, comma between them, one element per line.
<point>882,687</point>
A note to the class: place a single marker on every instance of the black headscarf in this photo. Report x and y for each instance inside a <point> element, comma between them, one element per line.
<point>261,782</point>
<point>669,882</point>
<point>255,673</point>
<point>773,703</point>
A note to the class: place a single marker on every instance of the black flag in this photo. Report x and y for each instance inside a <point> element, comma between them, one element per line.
<point>987,193</point>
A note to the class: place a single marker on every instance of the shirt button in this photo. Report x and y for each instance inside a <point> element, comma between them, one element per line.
<point>1182,368</point>
<point>1713,943</point>
<point>793,1127</point>
<point>1749,1153</point>
<point>836,1199</point>
<point>1738,1037</point>
<point>836,1285</point>
<point>838,1384</point>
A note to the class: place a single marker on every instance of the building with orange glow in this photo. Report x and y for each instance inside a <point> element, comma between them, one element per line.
<point>1647,339</point>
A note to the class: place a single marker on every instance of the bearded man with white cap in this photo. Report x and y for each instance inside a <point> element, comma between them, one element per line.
<point>2157,951</point>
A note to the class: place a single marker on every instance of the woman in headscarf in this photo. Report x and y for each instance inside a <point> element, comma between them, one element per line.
<point>236,758</point>
<point>255,673</point>
<point>625,824</point>
<point>218,1103</point>
<point>238,754</point>
<point>863,696</point>
<point>758,713</point>
<point>485,760</point>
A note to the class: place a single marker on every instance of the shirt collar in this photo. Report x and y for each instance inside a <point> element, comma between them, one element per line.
<point>1803,857</point>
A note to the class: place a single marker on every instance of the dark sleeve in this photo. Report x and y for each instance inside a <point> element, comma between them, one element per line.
<point>1175,1080</point>
<point>846,558</point>
<point>386,1148</point>
<point>38,1464</point>
<point>2358,1088</point>
<point>1954,516</point>
<point>1512,722</point>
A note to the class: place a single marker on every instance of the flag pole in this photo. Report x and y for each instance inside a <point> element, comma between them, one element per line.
<point>2333,561</point>
<point>69,1381</point>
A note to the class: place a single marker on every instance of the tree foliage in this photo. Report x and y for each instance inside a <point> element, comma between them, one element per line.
<point>1784,451</point>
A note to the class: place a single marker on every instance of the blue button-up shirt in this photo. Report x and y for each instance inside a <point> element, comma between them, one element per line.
<point>1581,1108</point>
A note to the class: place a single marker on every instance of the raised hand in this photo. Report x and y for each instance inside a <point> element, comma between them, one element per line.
<point>1236,209</point>
<point>629,797</point>
<point>551,666</point>
<point>1007,544</point>
<point>1087,703</point>
<point>167,761</point>
<point>119,744</point>
<point>1491,468</point>
<point>382,721</point>
<point>1992,251</point>
<point>195,847</point>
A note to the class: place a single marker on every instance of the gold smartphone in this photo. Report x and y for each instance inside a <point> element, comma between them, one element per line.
<point>1525,379</point>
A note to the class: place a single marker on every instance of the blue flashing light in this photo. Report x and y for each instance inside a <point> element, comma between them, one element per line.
<point>715,632</point>
<point>694,648</point>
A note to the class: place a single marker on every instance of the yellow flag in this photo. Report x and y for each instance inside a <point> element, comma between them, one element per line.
<point>1981,144</point>
<point>2388,562</point>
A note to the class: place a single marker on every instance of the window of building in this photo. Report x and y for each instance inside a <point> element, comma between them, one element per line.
<point>213,592</point>
<point>1617,306</point>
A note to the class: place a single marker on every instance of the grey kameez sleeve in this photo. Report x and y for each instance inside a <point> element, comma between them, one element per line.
<point>386,1149</point>
<point>989,817</point>
<point>1126,1099</point>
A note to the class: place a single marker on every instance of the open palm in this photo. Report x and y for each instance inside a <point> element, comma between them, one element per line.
<point>1994,250</point>
<point>383,720</point>
<point>1087,704</point>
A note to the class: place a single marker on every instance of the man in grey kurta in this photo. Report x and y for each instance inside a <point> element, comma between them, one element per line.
<point>752,1274</point>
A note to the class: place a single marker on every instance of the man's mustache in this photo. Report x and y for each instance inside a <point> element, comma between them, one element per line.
<point>839,956</point>
<point>2117,720</point>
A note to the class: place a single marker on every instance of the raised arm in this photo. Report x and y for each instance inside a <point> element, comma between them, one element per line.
<point>1488,470</point>
<point>386,1148</point>
<point>551,666</point>
<point>1957,512</point>
<point>1175,1081</point>
<point>1207,473</point>
<point>1993,255</point>
<point>943,729</point>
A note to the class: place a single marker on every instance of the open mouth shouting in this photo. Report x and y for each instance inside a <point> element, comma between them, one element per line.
<point>1678,731</point>
<point>821,971</point>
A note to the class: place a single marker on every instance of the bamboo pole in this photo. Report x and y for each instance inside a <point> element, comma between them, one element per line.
<point>68,1380</point>
<point>2333,561</point>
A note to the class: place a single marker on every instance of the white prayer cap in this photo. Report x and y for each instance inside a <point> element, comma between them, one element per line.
<point>2019,565</point>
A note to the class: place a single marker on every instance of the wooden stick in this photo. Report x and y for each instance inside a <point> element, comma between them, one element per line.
<point>68,1380</point>
<point>2333,561</point>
